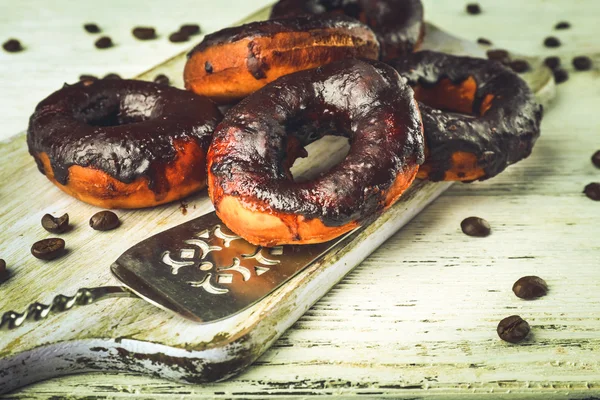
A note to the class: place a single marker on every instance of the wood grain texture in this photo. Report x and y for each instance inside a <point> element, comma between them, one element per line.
<point>417,319</point>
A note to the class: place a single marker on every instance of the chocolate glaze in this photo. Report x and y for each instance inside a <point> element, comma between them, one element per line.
<point>270,28</point>
<point>505,133</point>
<point>365,101</point>
<point>125,128</point>
<point>398,24</point>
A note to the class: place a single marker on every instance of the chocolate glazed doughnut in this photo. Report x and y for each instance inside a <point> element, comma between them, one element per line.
<point>249,179</point>
<point>398,24</point>
<point>123,143</point>
<point>479,116</point>
<point>232,63</point>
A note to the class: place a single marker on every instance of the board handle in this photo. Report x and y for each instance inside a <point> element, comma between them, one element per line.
<point>84,296</point>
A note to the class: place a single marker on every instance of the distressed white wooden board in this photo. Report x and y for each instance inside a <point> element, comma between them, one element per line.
<point>129,344</point>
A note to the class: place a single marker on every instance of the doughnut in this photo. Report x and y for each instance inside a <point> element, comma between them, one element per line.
<point>123,143</point>
<point>232,63</point>
<point>249,180</point>
<point>398,24</point>
<point>479,116</point>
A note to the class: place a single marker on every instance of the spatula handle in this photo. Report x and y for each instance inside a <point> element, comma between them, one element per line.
<point>84,296</point>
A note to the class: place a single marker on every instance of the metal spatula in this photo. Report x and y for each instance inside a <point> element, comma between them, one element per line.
<point>199,270</point>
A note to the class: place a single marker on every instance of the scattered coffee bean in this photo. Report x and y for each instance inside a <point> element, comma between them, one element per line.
<point>551,41</point>
<point>498,55</point>
<point>530,287</point>
<point>12,46</point>
<point>473,8</point>
<point>144,33</point>
<point>560,75</point>
<point>552,62</point>
<point>190,29</point>
<point>91,28</point>
<point>519,66</point>
<point>104,221</point>
<point>592,191</point>
<point>162,79</point>
<point>112,75</point>
<point>513,329</point>
<point>208,67</point>
<point>596,159</point>
<point>475,226</point>
<point>3,270</point>
<point>85,77</point>
<point>55,225</point>
<point>104,42</point>
<point>582,63</point>
<point>562,25</point>
<point>178,37</point>
<point>48,249</point>
<point>484,41</point>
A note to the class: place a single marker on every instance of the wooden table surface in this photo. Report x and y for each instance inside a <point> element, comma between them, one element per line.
<point>418,318</point>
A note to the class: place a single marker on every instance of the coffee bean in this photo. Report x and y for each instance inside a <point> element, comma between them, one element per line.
<point>498,55</point>
<point>55,225</point>
<point>592,191</point>
<point>208,67</point>
<point>104,42</point>
<point>162,79</point>
<point>86,77</point>
<point>112,75</point>
<point>560,75</point>
<point>513,329</point>
<point>484,41</point>
<point>48,249</point>
<point>562,25</point>
<point>12,46</point>
<point>473,9</point>
<point>104,221</point>
<point>582,63</point>
<point>530,287</point>
<point>178,37</point>
<point>552,41</point>
<point>190,29</point>
<point>552,62</point>
<point>91,28</point>
<point>596,159</point>
<point>519,66</point>
<point>3,270</point>
<point>475,226</point>
<point>144,33</point>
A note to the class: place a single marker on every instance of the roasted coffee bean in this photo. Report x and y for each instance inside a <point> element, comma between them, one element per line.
<point>12,46</point>
<point>519,66</point>
<point>498,55</point>
<point>530,287</point>
<point>475,226</point>
<point>592,191</point>
<point>112,75</point>
<point>582,63</point>
<point>104,221</point>
<point>560,75</point>
<point>55,225</point>
<point>91,28</point>
<point>3,270</point>
<point>190,29</point>
<point>552,62</point>
<point>473,8</point>
<point>48,249</point>
<point>596,159</point>
<point>208,67</point>
<point>562,25</point>
<point>144,33</point>
<point>178,37</point>
<point>86,77</point>
<point>104,42</point>
<point>513,329</point>
<point>484,41</point>
<point>552,41</point>
<point>162,79</point>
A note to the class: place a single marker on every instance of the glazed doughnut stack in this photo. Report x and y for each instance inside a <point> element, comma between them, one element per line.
<point>316,68</point>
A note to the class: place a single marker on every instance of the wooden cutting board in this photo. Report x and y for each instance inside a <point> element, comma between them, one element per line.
<point>130,334</point>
